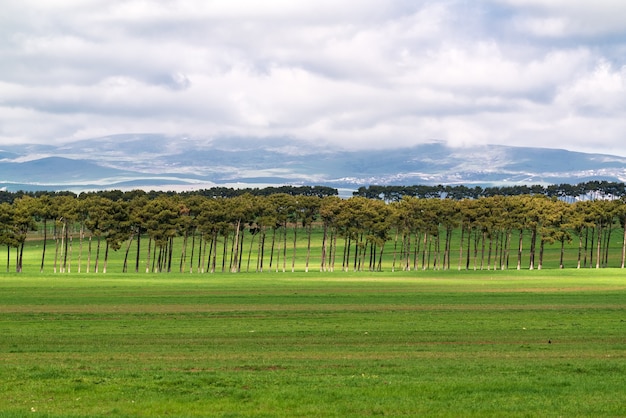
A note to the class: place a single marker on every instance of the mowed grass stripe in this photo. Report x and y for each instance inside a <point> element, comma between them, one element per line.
<point>460,344</point>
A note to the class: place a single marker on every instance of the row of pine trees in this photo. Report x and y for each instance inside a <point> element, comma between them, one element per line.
<point>196,233</point>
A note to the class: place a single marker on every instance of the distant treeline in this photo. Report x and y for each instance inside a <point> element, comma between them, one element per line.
<point>214,192</point>
<point>586,190</point>
<point>590,190</point>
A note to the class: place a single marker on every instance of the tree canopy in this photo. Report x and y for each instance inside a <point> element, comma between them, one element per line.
<point>210,231</point>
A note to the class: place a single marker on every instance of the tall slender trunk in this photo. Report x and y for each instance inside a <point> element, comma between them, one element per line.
<point>45,239</point>
<point>533,243</point>
<point>89,254</point>
<point>580,249</point>
<point>81,236</point>
<point>333,250</point>
<point>261,251</point>
<point>225,251</point>
<point>250,252</point>
<point>130,241</point>
<point>170,254</point>
<point>608,244</point>
<point>541,248</point>
<point>66,236</point>
<point>97,255</point>
<point>285,247</point>
<point>21,257</point>
<point>519,249</point>
<point>153,266</point>
<point>69,257</point>
<point>137,257</point>
<point>469,248</point>
<point>241,242</point>
<point>183,253</point>
<point>106,257</point>
<point>62,266</point>
<point>148,255</point>
<point>324,243</point>
<point>345,264</point>
<point>213,253</point>
<point>598,245</point>
<point>235,255</point>
<point>56,247</point>
<point>272,248</point>
<point>308,248</point>
<point>193,247</point>
<point>203,242</point>
<point>293,256</point>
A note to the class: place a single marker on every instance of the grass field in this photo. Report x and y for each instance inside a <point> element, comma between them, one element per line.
<point>505,343</point>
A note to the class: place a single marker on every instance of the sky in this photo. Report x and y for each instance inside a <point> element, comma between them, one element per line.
<point>350,74</point>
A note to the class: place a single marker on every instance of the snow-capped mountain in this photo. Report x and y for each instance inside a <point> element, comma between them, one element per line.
<point>152,161</point>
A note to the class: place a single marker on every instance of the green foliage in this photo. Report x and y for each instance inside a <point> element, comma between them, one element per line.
<point>257,233</point>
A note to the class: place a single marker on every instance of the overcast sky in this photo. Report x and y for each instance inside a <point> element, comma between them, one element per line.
<point>351,73</point>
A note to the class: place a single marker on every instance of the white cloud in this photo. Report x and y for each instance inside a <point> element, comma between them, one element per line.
<point>570,17</point>
<point>368,73</point>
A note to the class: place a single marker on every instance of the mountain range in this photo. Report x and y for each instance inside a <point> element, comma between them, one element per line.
<point>160,162</point>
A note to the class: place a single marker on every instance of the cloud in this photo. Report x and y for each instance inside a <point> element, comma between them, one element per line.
<point>561,18</point>
<point>350,74</point>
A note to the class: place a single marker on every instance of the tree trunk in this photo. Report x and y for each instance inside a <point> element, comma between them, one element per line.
<point>519,249</point>
<point>130,241</point>
<point>81,235</point>
<point>21,257</point>
<point>106,257</point>
<point>598,245</point>
<point>250,252</point>
<point>89,254</point>
<point>580,249</point>
<point>183,254</point>
<point>67,239</point>
<point>235,255</point>
<point>137,257</point>
<point>45,239</point>
<point>97,255</point>
<point>541,248</point>
<point>533,243</point>
<point>323,255</point>
<point>469,248</point>
<point>308,248</point>
<point>56,248</point>
<point>148,255</point>
<point>285,247</point>
<point>193,247</point>
<point>333,250</point>
<point>170,255</point>
<point>293,255</point>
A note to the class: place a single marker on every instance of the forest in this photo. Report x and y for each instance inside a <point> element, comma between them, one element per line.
<point>380,227</point>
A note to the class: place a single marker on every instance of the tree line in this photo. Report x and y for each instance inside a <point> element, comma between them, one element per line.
<point>319,191</point>
<point>194,232</point>
<point>590,190</point>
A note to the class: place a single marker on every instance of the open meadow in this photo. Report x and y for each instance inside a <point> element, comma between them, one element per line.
<point>425,343</point>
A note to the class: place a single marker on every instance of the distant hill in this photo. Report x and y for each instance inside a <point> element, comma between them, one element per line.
<point>154,161</point>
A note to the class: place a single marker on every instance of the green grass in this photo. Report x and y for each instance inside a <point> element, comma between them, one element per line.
<point>78,255</point>
<point>547,343</point>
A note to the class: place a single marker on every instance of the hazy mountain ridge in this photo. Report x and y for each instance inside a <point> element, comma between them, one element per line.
<point>159,161</point>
